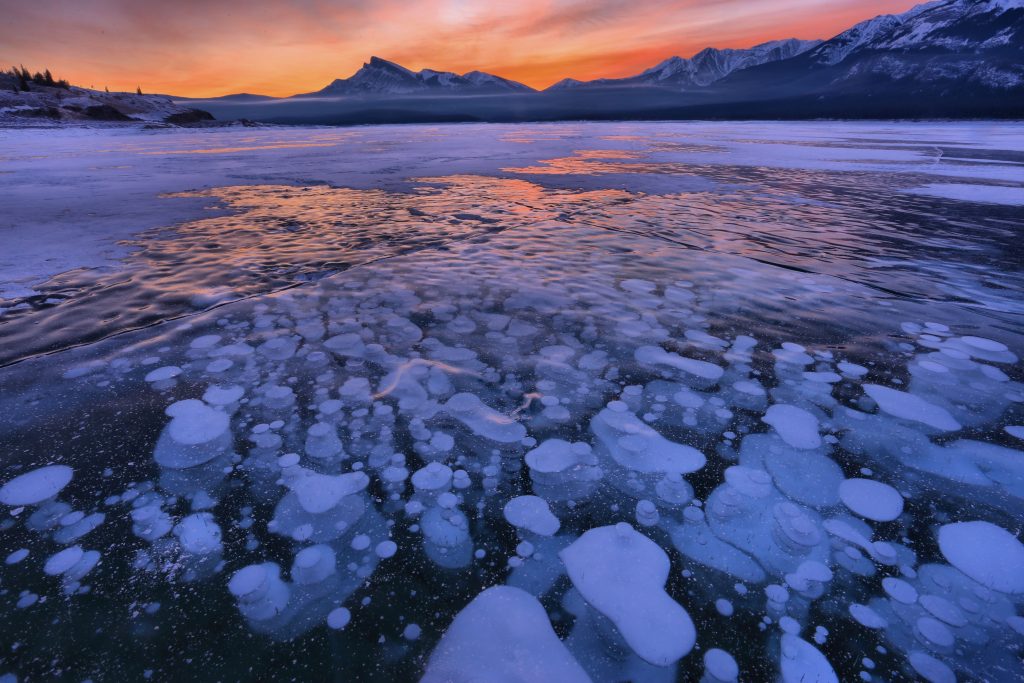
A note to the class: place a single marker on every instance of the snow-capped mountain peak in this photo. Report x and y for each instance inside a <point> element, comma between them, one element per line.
<point>704,68</point>
<point>942,24</point>
<point>382,77</point>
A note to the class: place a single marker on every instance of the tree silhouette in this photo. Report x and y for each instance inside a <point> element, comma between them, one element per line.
<point>48,78</point>
<point>138,90</point>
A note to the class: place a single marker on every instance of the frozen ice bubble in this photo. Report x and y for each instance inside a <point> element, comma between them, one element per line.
<point>63,560</point>
<point>217,395</point>
<point>621,573</point>
<point>911,407</point>
<point>871,499</point>
<point>533,514</point>
<point>866,616</point>
<point>338,618</point>
<point>434,477</point>
<point>719,665</point>
<point>36,486</point>
<point>986,553</point>
<point>502,635</point>
<point>164,373</point>
<point>193,422</point>
<point>17,556</point>
<point>317,493</point>
<point>930,669</point>
<point>801,662</point>
<point>386,549</point>
<point>899,590</point>
<point>796,426</point>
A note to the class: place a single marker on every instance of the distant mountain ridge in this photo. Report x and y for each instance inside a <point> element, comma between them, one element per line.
<point>946,58</point>
<point>704,68</point>
<point>381,77</point>
<point>938,44</point>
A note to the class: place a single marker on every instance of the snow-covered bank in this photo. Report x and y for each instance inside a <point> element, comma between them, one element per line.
<point>25,102</point>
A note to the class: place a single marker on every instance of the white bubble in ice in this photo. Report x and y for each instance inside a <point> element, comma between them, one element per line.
<point>621,573</point>
<point>871,499</point>
<point>386,549</point>
<point>339,618</point>
<point>164,373</point>
<point>911,407</point>
<point>36,486</point>
<point>796,426</point>
<point>986,553</point>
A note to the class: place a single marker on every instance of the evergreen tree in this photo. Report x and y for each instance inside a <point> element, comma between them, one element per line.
<point>138,90</point>
<point>48,78</point>
<point>22,75</point>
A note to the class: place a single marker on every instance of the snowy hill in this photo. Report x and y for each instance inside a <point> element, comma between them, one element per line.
<point>68,104</point>
<point>381,77</point>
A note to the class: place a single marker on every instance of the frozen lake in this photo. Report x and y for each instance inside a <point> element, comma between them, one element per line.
<point>617,401</point>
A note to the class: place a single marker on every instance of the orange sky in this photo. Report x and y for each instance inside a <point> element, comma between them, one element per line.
<point>215,47</point>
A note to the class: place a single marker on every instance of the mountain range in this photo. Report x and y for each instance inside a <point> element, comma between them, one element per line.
<point>940,44</point>
<point>704,68</point>
<point>942,59</point>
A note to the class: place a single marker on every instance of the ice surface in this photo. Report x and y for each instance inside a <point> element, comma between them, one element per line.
<point>968,192</point>
<point>452,368</point>
<point>503,634</point>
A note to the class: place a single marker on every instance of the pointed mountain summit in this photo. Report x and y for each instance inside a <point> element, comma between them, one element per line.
<point>381,77</point>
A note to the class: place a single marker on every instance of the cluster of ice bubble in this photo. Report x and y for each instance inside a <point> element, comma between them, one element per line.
<point>641,466</point>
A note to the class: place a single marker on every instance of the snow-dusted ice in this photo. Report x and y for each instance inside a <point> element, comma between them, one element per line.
<point>609,402</point>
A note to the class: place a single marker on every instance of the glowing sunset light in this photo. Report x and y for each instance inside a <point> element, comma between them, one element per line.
<point>214,47</point>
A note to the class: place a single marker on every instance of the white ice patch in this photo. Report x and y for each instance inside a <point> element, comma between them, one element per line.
<point>621,573</point>
<point>910,407</point>
<point>871,499</point>
<point>801,662</point>
<point>36,486</point>
<point>637,447</point>
<point>796,426</point>
<point>986,553</point>
<point>532,514</point>
<point>193,422</point>
<point>502,635</point>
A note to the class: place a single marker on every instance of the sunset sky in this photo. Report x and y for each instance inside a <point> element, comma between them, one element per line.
<point>215,47</point>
